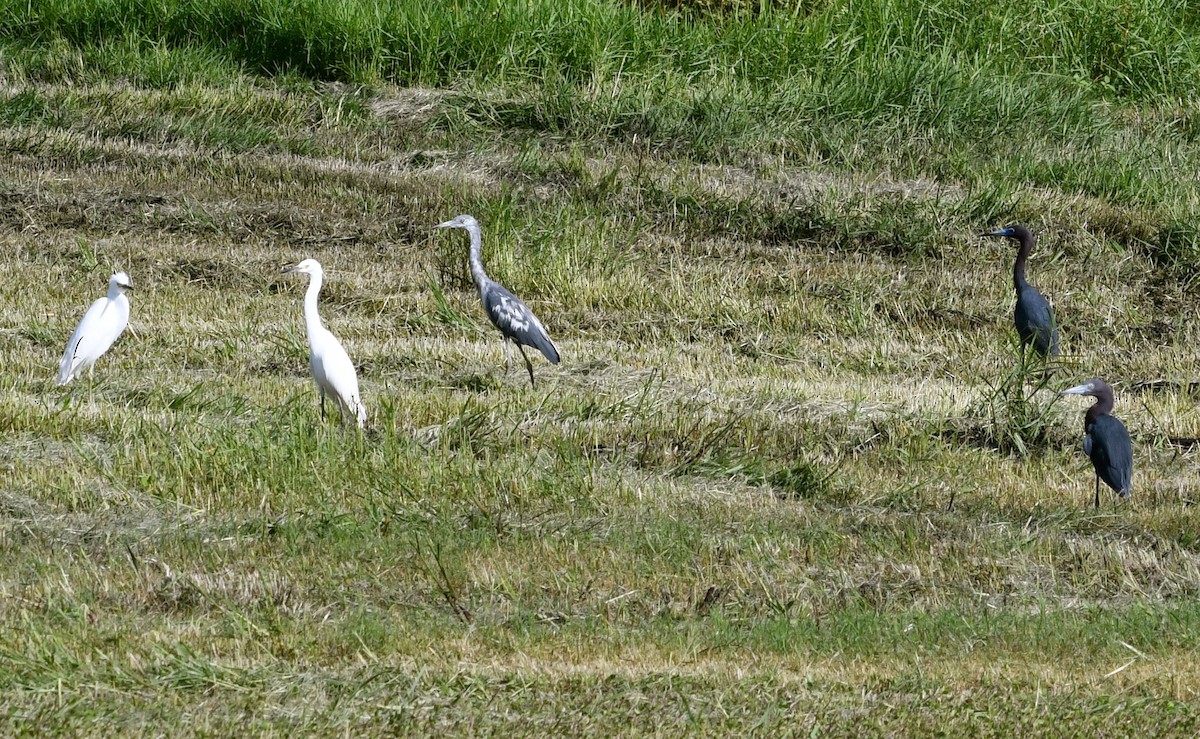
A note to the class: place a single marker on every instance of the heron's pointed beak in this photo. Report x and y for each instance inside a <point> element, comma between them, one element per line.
<point>1083,389</point>
<point>997,232</point>
<point>126,287</point>
<point>289,270</point>
<point>445,224</point>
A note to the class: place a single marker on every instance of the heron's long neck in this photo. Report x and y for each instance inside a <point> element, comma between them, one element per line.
<point>114,292</point>
<point>477,274</point>
<point>1019,281</point>
<point>1102,407</point>
<point>312,319</point>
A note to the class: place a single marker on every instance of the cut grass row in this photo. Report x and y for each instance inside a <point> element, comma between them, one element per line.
<point>1128,183</point>
<point>180,689</point>
<point>1076,96</point>
<point>197,121</point>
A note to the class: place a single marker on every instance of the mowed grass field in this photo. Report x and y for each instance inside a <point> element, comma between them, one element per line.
<point>789,477</point>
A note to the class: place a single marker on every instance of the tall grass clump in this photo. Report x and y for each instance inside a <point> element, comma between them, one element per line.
<point>1139,49</point>
<point>1016,411</point>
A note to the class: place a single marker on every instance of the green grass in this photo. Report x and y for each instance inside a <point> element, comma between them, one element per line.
<point>789,477</point>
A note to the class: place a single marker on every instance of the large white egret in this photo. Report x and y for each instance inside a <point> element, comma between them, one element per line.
<point>506,311</point>
<point>101,326</point>
<point>332,370</point>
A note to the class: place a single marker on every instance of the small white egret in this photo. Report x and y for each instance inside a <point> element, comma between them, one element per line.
<point>506,311</point>
<point>332,370</point>
<point>101,326</point>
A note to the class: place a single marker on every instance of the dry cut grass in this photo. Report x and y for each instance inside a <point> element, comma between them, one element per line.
<point>785,479</point>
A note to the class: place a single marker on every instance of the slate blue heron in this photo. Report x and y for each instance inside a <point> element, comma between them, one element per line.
<point>102,325</point>
<point>1033,316</point>
<point>1105,440</point>
<point>331,368</point>
<point>506,311</point>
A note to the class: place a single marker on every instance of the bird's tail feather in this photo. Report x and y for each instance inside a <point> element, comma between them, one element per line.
<point>547,348</point>
<point>541,342</point>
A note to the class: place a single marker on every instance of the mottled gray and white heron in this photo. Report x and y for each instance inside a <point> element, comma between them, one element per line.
<point>1033,316</point>
<point>1105,439</point>
<point>506,311</point>
<point>332,371</point>
<point>102,325</point>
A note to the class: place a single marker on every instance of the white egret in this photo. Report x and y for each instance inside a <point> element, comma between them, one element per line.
<point>506,311</point>
<point>331,368</point>
<point>101,326</point>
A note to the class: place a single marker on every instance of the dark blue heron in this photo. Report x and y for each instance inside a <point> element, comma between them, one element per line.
<point>1034,317</point>
<point>506,311</point>
<point>1105,439</point>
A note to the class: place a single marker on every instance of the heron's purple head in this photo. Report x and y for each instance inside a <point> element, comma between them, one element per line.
<point>1096,388</point>
<point>1015,231</point>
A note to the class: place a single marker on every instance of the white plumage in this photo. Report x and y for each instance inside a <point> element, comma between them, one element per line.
<point>332,370</point>
<point>101,326</point>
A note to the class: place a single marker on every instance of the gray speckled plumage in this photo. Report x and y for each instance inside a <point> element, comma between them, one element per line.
<point>505,310</point>
<point>514,319</point>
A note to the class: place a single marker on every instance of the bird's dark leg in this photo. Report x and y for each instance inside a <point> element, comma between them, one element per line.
<point>528,365</point>
<point>1097,492</point>
<point>322,404</point>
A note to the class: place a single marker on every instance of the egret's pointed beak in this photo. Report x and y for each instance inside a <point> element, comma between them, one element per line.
<point>289,270</point>
<point>1083,389</point>
<point>125,286</point>
<point>446,224</point>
